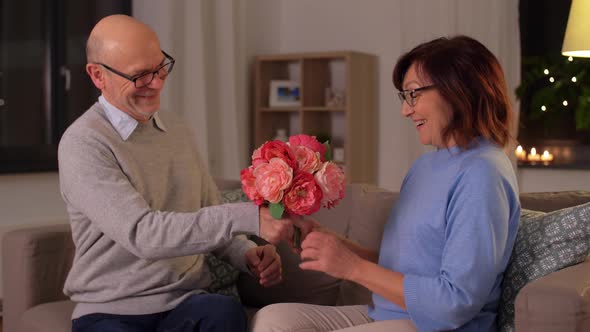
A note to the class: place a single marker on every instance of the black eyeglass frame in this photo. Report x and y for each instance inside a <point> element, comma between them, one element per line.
<point>134,79</point>
<point>403,94</point>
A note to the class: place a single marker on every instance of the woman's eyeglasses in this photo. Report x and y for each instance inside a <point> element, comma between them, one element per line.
<point>410,97</point>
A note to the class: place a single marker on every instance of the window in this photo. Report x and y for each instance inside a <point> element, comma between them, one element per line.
<point>43,84</point>
<point>555,90</point>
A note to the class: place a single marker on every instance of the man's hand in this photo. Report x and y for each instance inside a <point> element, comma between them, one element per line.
<point>274,230</point>
<point>265,263</point>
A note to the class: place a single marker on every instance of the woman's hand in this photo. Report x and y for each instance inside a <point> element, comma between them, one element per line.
<point>329,253</point>
<point>326,252</point>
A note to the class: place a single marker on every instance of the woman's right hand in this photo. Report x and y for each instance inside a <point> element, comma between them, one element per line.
<point>328,253</point>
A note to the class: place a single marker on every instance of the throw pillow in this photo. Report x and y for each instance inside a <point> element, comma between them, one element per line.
<point>545,243</point>
<point>223,275</point>
<point>233,196</point>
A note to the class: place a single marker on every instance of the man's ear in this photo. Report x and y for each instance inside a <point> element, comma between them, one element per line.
<point>97,75</point>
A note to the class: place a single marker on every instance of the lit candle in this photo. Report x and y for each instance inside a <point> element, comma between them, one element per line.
<point>546,157</point>
<point>533,156</point>
<point>520,153</point>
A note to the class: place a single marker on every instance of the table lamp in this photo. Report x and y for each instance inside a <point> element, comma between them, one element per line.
<point>576,42</point>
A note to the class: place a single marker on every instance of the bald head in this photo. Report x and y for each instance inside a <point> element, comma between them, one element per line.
<point>119,36</point>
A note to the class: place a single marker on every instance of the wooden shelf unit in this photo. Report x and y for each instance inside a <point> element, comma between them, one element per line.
<point>351,126</point>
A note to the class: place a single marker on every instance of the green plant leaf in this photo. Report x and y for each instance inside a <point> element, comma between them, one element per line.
<point>328,154</point>
<point>276,210</point>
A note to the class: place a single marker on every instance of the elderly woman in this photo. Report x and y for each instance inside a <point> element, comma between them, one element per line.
<point>449,237</point>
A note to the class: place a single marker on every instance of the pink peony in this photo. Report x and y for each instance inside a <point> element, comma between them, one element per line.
<point>272,179</point>
<point>307,159</point>
<point>257,157</point>
<point>309,142</point>
<point>249,185</point>
<point>304,197</point>
<point>331,179</point>
<point>278,149</point>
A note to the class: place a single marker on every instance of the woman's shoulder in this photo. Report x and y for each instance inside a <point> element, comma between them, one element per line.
<point>487,165</point>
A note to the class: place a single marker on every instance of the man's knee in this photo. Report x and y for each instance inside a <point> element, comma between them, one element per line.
<point>219,310</point>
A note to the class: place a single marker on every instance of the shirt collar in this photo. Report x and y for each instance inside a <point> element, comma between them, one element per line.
<point>123,123</point>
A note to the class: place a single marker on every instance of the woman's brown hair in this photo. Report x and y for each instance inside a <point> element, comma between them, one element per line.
<point>469,77</point>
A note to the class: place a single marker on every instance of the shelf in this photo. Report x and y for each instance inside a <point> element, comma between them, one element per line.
<point>323,109</point>
<point>338,99</point>
<point>279,109</point>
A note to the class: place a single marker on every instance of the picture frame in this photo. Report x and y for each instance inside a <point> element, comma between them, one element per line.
<point>284,93</point>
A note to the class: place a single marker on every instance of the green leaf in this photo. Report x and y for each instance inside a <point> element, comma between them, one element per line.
<point>328,154</point>
<point>276,210</point>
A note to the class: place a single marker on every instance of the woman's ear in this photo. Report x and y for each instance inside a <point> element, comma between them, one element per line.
<point>96,74</point>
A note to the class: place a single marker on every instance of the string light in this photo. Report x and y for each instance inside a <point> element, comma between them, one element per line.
<point>570,59</point>
<point>551,79</point>
<point>564,103</point>
<point>543,108</point>
<point>574,79</point>
<point>546,71</point>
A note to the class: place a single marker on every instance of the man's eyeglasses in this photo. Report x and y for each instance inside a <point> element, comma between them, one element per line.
<point>410,97</point>
<point>144,79</point>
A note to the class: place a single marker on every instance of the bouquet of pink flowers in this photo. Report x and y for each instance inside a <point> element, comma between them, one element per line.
<point>297,177</point>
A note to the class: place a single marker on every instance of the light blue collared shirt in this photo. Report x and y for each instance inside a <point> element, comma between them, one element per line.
<point>123,123</point>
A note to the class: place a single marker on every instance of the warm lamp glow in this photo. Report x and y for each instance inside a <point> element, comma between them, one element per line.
<point>576,41</point>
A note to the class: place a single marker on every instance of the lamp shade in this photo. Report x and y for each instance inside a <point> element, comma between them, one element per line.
<point>577,34</point>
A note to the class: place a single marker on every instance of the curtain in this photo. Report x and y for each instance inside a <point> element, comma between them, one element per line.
<point>208,86</point>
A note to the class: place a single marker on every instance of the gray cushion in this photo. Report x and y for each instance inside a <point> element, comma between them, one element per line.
<point>546,242</point>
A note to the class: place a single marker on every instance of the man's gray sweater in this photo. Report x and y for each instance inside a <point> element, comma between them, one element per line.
<point>141,216</point>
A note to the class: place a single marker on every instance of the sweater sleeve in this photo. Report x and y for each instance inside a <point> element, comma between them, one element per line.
<point>93,185</point>
<point>476,237</point>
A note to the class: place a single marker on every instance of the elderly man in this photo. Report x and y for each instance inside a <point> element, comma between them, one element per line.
<point>141,202</point>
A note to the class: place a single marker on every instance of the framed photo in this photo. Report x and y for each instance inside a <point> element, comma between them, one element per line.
<point>284,94</point>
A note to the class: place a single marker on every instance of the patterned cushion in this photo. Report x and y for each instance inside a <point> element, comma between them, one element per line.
<point>223,275</point>
<point>545,243</point>
<point>233,196</point>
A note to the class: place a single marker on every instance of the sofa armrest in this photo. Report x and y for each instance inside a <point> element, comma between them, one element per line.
<point>559,301</point>
<point>35,263</point>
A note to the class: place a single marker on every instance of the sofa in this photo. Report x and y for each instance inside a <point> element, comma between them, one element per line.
<point>36,262</point>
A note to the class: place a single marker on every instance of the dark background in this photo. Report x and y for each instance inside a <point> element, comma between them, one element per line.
<point>43,83</point>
